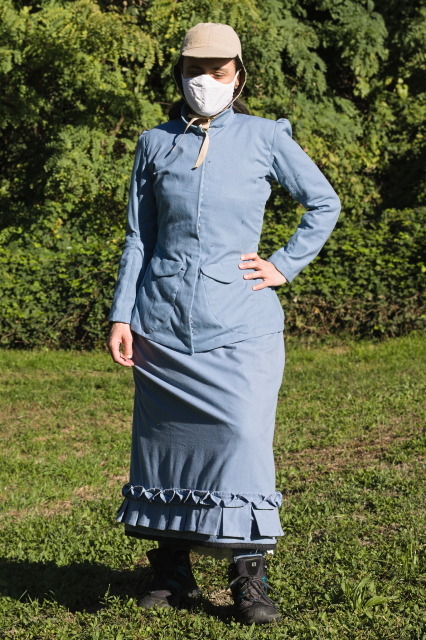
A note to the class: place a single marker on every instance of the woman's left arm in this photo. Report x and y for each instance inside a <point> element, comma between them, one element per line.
<point>295,171</point>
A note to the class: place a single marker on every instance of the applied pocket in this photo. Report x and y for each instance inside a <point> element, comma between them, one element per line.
<point>232,300</point>
<point>158,291</point>
<point>225,272</point>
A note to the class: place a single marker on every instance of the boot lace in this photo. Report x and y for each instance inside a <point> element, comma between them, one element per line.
<point>252,588</point>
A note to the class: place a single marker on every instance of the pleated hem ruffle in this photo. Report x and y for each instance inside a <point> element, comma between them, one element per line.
<point>204,512</point>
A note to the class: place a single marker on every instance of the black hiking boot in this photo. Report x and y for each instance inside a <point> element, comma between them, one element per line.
<point>248,587</point>
<point>172,583</point>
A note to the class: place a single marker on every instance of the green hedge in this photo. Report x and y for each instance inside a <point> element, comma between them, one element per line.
<point>365,283</point>
<point>80,80</point>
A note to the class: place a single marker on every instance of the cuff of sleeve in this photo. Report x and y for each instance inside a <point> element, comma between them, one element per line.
<point>279,261</point>
<point>119,317</point>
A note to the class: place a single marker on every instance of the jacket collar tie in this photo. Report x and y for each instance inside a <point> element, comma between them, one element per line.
<point>204,123</point>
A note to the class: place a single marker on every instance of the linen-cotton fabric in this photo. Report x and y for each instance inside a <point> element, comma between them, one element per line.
<point>208,348</point>
<point>179,283</point>
<point>202,466</point>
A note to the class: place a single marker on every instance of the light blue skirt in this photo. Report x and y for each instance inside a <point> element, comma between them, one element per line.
<point>202,467</point>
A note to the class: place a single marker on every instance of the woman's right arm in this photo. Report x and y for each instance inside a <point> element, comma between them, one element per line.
<point>141,235</point>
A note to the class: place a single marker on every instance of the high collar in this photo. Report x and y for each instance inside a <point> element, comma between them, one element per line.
<point>222,119</point>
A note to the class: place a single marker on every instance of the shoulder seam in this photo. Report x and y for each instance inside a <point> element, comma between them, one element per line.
<point>272,143</point>
<point>286,179</point>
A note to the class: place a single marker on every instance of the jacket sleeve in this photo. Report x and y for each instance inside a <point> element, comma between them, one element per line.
<point>295,171</point>
<point>141,234</point>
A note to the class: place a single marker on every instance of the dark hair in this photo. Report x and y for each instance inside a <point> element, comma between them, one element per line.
<point>175,110</point>
<point>238,105</point>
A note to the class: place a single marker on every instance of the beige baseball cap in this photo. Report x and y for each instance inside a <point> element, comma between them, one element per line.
<point>211,40</point>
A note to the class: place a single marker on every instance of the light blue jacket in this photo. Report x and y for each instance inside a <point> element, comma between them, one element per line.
<point>179,283</point>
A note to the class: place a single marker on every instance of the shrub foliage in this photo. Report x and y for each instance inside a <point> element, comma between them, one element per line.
<point>82,79</point>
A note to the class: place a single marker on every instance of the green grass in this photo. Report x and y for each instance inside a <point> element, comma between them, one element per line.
<point>350,462</point>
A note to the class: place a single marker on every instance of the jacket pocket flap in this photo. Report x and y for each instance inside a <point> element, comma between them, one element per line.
<point>165,266</point>
<point>223,271</point>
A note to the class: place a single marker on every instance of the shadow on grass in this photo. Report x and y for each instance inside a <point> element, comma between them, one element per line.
<point>81,586</point>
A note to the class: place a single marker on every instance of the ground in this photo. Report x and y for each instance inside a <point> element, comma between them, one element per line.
<point>349,451</point>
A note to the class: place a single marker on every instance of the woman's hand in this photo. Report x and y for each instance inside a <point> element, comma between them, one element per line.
<point>264,269</point>
<point>121,336</point>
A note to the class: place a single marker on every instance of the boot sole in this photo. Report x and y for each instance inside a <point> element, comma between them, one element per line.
<point>256,619</point>
<point>260,621</point>
<point>174,602</point>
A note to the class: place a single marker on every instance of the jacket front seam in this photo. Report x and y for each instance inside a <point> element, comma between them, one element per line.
<point>200,199</point>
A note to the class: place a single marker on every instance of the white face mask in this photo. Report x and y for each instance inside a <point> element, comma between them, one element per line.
<point>207,96</point>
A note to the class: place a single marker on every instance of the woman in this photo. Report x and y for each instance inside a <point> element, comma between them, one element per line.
<point>196,314</point>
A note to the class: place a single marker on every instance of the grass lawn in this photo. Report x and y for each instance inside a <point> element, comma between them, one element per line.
<point>349,452</point>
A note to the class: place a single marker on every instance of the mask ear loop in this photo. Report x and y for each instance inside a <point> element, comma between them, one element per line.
<point>233,99</point>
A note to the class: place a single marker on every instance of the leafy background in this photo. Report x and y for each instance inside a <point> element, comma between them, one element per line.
<point>82,79</point>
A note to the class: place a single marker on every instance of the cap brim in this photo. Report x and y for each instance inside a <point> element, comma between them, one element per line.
<point>210,52</point>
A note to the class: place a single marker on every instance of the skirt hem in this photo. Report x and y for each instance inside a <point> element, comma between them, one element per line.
<point>192,544</point>
<point>237,517</point>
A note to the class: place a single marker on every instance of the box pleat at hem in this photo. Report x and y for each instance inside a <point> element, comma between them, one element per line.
<point>202,512</point>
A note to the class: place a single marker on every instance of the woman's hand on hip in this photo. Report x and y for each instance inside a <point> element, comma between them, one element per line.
<point>263,269</point>
<point>121,336</point>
